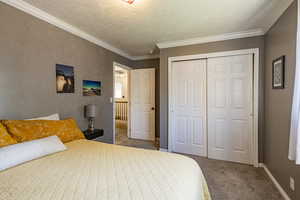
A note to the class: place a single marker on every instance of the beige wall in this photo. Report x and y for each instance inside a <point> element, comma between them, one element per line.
<point>29,50</point>
<point>246,43</point>
<point>280,40</point>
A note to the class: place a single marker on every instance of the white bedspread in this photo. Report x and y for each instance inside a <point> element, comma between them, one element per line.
<point>93,170</point>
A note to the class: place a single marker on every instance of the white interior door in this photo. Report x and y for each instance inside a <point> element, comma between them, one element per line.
<point>142,107</point>
<point>230,99</point>
<point>188,101</point>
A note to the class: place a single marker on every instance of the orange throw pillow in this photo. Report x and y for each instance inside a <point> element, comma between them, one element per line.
<point>23,130</point>
<point>5,138</point>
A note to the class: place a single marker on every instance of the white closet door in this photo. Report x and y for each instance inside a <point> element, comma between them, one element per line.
<point>188,96</point>
<point>142,104</point>
<point>230,100</point>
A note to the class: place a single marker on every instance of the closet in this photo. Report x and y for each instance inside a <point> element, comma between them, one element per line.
<point>211,107</point>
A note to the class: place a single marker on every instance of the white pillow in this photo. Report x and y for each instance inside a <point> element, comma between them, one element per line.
<point>16,154</point>
<point>50,117</point>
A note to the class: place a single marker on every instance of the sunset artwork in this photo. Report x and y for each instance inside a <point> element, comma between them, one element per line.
<point>91,88</point>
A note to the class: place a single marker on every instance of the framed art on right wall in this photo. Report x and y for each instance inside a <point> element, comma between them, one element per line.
<point>278,69</point>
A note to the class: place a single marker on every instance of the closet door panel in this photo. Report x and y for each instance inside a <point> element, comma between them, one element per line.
<point>188,120</point>
<point>230,99</point>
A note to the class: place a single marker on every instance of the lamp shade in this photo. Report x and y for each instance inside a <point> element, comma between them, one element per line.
<point>90,110</point>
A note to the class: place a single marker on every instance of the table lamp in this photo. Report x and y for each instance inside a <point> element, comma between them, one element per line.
<point>90,114</point>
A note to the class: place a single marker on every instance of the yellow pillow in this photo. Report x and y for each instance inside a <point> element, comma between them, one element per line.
<point>23,130</point>
<point>5,138</point>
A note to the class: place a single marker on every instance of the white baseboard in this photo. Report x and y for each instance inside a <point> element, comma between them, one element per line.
<point>280,189</point>
<point>164,150</point>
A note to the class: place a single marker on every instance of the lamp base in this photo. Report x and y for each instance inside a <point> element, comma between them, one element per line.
<point>91,125</point>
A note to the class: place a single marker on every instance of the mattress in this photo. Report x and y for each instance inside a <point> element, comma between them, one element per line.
<point>91,170</point>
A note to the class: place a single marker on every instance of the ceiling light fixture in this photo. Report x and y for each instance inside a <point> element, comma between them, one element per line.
<point>129,1</point>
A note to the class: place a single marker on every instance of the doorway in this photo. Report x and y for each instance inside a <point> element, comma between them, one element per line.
<point>134,107</point>
<point>121,103</point>
<point>213,105</point>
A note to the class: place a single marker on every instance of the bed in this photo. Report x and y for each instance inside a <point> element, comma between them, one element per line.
<point>92,170</point>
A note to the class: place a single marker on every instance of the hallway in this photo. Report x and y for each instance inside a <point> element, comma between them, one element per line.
<point>122,139</point>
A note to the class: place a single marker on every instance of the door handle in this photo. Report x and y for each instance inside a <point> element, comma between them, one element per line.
<point>152,108</point>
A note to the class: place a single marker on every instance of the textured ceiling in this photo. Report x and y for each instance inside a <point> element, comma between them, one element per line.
<point>136,28</point>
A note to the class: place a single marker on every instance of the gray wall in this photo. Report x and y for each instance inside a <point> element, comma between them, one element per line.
<point>237,44</point>
<point>280,40</point>
<point>148,63</point>
<point>29,50</point>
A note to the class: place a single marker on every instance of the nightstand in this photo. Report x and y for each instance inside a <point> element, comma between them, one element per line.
<point>91,135</point>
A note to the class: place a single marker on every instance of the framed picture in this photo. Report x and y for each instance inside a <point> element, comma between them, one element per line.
<point>278,73</point>
<point>64,79</point>
<point>91,88</point>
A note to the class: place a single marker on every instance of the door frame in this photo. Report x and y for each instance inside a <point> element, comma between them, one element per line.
<point>256,74</point>
<point>113,100</point>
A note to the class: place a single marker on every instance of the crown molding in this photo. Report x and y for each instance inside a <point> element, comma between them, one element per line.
<point>36,12</point>
<point>273,5</point>
<point>146,57</point>
<point>216,38</point>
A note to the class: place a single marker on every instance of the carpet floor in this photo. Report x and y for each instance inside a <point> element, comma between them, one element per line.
<point>233,181</point>
<point>226,180</point>
<point>122,139</point>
